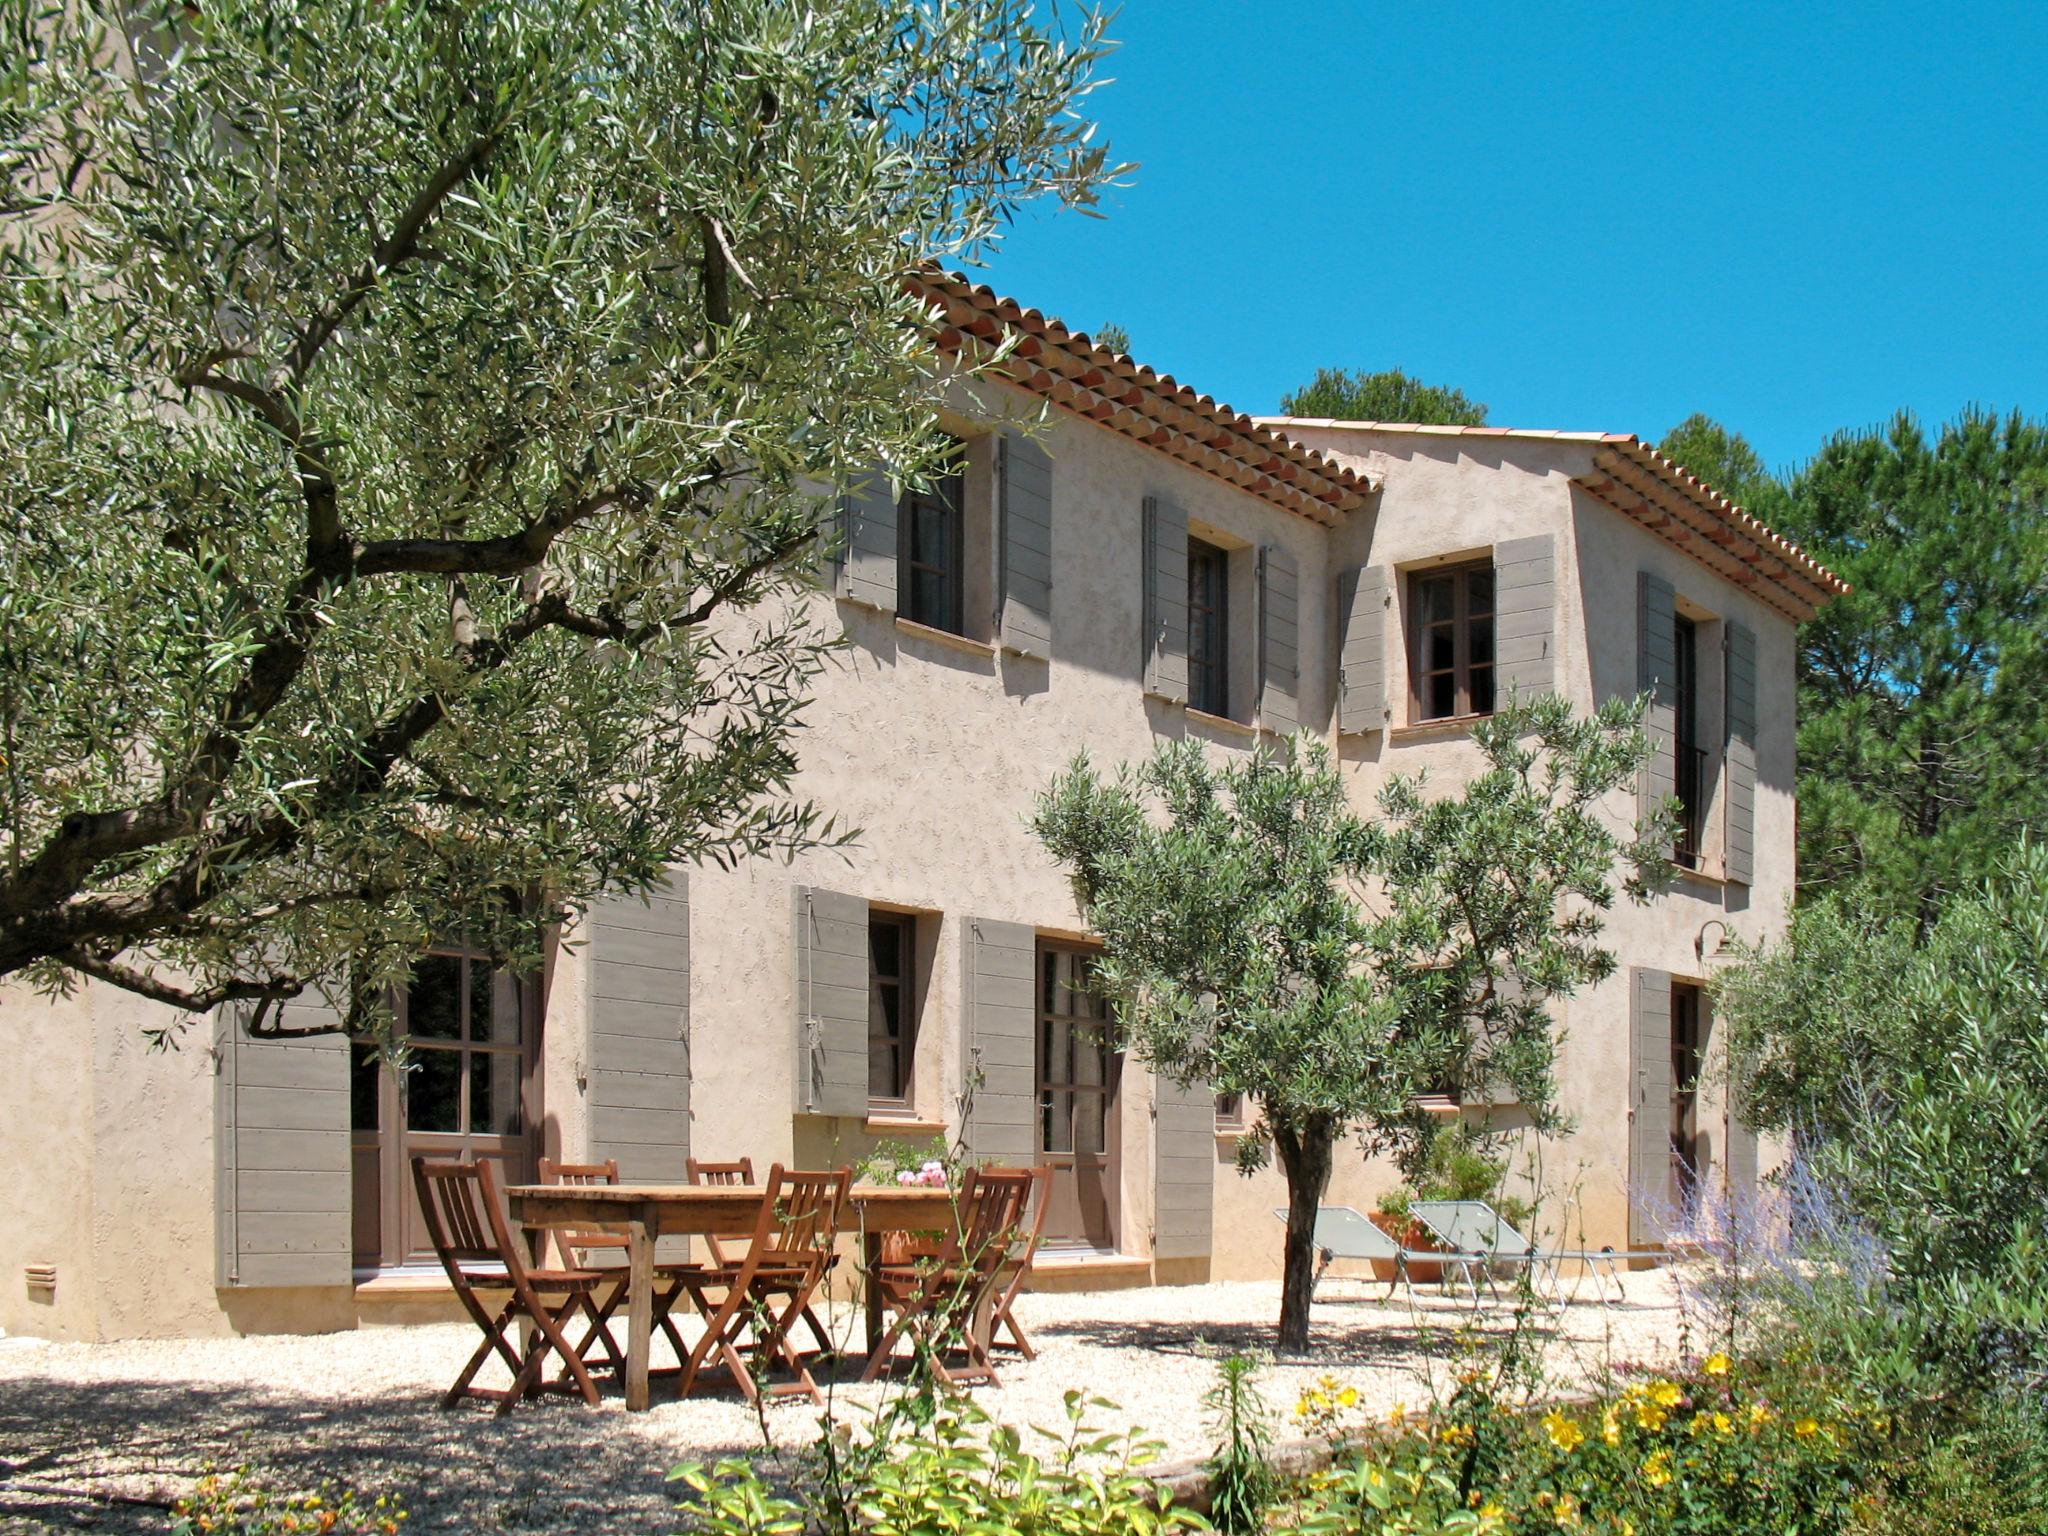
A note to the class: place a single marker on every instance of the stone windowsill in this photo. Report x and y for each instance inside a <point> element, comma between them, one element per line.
<point>945,637</point>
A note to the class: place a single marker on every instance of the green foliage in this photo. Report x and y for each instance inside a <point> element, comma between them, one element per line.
<point>1920,1076</point>
<point>955,1471</point>
<point>1260,937</point>
<point>1114,337</point>
<point>1924,691</point>
<point>1241,1479</point>
<point>1726,462</point>
<point>236,1505</point>
<point>1389,395</point>
<point>1458,1165</point>
<point>413,449</point>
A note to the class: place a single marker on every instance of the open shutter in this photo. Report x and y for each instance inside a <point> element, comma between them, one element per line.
<point>1652,1201</point>
<point>639,1073</point>
<point>1496,1092</point>
<point>1279,640</point>
<point>1525,614</point>
<point>1166,600</point>
<point>867,551</point>
<point>282,1187</point>
<point>1657,676</point>
<point>1024,610</point>
<point>1740,843</point>
<point>1001,1015</point>
<point>831,1003</point>
<point>1184,1170</point>
<point>1362,601</point>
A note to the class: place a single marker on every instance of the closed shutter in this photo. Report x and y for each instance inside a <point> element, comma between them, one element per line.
<point>1024,611</point>
<point>1496,1091</point>
<point>282,1186</point>
<point>1740,843</point>
<point>1525,614</point>
<point>639,1074</point>
<point>831,1003</point>
<point>867,550</point>
<point>1652,1201</point>
<point>1001,1014</point>
<point>1279,640</point>
<point>1165,551</point>
<point>1184,1174</point>
<point>1657,676</point>
<point>1362,601</point>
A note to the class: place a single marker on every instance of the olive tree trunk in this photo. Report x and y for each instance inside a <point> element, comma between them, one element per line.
<point>1306,1153</point>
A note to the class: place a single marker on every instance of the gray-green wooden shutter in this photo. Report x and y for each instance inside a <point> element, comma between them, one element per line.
<point>639,1073</point>
<point>1001,1017</point>
<point>1740,855</point>
<point>282,1184</point>
<point>1525,614</point>
<point>1279,607</point>
<point>1024,608</point>
<point>1184,1171</point>
<point>1362,601</point>
<point>1497,1092</point>
<point>1657,676</point>
<point>1165,541</point>
<point>867,547</point>
<point>831,1003</point>
<point>1652,1200</point>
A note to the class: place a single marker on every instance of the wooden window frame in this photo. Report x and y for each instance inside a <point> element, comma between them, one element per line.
<point>1231,1119</point>
<point>905,984</point>
<point>948,493</point>
<point>1461,642</point>
<point>1689,765</point>
<point>1209,668</point>
<point>1688,1050</point>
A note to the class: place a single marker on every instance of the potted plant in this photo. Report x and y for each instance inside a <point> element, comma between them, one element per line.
<point>1456,1167</point>
<point>930,1164</point>
<point>1391,1217</point>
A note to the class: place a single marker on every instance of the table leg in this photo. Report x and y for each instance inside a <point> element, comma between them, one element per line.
<point>639,1310</point>
<point>871,1283</point>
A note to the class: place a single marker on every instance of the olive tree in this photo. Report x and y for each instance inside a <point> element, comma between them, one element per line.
<point>418,419</point>
<point>1261,937</point>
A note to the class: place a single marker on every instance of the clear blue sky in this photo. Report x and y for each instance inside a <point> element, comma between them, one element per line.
<point>1795,218</point>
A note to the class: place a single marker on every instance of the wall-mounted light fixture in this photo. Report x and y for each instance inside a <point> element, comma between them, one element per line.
<point>1699,944</point>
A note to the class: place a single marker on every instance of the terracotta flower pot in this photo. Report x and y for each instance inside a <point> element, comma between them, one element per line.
<point>908,1247</point>
<point>1413,1236</point>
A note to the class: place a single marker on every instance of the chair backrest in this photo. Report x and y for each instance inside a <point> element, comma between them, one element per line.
<point>465,1218</point>
<point>703,1172</point>
<point>575,1244</point>
<point>1026,1246</point>
<point>992,1206</point>
<point>1471,1226</point>
<point>1344,1233</point>
<point>800,1216</point>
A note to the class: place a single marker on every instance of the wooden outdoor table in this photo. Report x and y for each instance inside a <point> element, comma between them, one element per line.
<point>646,1212</point>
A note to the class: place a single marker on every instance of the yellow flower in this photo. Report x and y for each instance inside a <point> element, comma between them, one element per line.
<point>1723,1425</point>
<point>1624,1526</point>
<point>1564,1432</point>
<point>1759,1415</point>
<point>1806,1429</point>
<point>1610,1427</point>
<point>1397,1414</point>
<point>1567,1510</point>
<point>1716,1364</point>
<point>1492,1509</point>
<point>1657,1470</point>
<point>1666,1394</point>
<point>1649,1416</point>
<point>1348,1398</point>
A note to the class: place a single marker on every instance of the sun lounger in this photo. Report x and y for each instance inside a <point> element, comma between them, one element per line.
<point>1343,1233</point>
<point>1473,1226</point>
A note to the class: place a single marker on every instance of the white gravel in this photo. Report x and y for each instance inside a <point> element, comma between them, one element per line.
<point>86,1426</point>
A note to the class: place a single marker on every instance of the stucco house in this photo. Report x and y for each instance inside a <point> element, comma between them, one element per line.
<point>1120,560</point>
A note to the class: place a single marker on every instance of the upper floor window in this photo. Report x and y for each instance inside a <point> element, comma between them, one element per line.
<point>1208,628</point>
<point>1692,764</point>
<point>931,559</point>
<point>892,1011</point>
<point>1451,642</point>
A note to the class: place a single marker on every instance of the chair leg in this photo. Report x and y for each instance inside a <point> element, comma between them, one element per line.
<point>548,1338</point>
<point>494,1342</point>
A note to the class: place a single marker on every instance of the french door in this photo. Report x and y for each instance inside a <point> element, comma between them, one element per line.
<point>465,1094</point>
<point>1077,1085</point>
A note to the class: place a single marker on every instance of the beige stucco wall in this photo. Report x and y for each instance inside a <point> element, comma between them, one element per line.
<point>934,749</point>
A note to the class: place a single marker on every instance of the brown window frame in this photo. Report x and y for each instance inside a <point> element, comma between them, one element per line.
<point>1209,597</point>
<point>1460,624</point>
<point>1690,765</point>
<point>1231,1116</point>
<point>947,493</point>
<point>1688,1053</point>
<point>904,984</point>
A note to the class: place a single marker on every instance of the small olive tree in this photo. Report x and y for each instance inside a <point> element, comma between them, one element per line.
<point>1260,937</point>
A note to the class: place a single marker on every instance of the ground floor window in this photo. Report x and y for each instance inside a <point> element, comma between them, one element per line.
<point>1077,1075</point>
<point>1687,1045</point>
<point>466,1092</point>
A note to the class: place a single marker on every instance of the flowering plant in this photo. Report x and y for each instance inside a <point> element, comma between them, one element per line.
<point>234,1506</point>
<point>929,1175</point>
<point>913,1164</point>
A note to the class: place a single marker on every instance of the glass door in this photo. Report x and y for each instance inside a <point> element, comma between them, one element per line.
<point>1077,1083</point>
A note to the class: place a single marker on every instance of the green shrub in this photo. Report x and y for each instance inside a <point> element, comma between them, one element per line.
<point>235,1505</point>
<point>1458,1166</point>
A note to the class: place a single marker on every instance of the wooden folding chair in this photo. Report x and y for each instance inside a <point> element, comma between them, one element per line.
<point>733,1175</point>
<point>1017,1270</point>
<point>940,1305</point>
<point>576,1248</point>
<point>788,1257</point>
<point>466,1223</point>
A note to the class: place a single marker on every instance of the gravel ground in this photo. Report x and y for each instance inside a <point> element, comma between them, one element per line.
<point>84,1427</point>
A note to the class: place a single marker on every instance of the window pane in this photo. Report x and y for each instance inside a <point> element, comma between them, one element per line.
<point>1440,697</point>
<point>1090,1128</point>
<point>930,543</point>
<point>1482,642</point>
<point>1439,649</point>
<point>1479,591</point>
<point>494,1093</point>
<point>493,1004</point>
<point>1434,599</point>
<point>1088,1057</point>
<point>1482,690</point>
<point>364,1078</point>
<point>885,946</point>
<point>433,1091</point>
<point>1056,1123</point>
<point>885,1076</point>
<point>928,604</point>
<point>434,1001</point>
